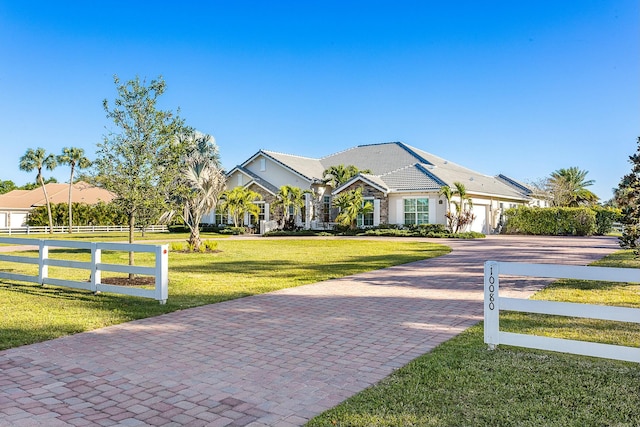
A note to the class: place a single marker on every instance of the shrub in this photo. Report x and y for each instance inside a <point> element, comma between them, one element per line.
<point>422,230</point>
<point>210,245</point>
<point>550,221</point>
<point>605,217</point>
<point>177,246</point>
<point>175,228</point>
<point>232,230</point>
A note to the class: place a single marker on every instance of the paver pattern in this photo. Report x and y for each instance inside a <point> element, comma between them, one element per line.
<point>275,359</point>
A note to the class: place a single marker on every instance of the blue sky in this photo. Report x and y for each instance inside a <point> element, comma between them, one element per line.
<point>515,87</point>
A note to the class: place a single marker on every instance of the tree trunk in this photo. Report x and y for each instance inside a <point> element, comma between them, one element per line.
<point>70,198</point>
<point>46,198</point>
<point>194,227</point>
<point>132,224</point>
<point>194,239</point>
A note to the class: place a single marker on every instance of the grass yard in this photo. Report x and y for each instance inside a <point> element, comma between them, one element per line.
<point>32,313</point>
<point>461,383</point>
<point>115,236</point>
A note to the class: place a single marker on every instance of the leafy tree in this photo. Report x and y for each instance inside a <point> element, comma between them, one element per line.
<point>6,186</point>
<point>37,159</point>
<point>33,185</point>
<point>351,204</point>
<point>337,175</point>
<point>628,199</point>
<point>238,201</point>
<point>74,157</point>
<point>139,162</point>
<point>289,199</point>
<point>201,184</point>
<point>567,187</point>
<point>462,213</point>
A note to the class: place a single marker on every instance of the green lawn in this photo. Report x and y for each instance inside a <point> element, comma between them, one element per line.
<point>461,383</point>
<point>33,313</point>
<point>115,236</point>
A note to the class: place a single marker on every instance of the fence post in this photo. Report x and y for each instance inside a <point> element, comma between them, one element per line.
<point>162,273</point>
<point>43,268</point>
<point>96,258</point>
<point>491,304</point>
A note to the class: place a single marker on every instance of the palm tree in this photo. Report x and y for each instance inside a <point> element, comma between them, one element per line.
<point>37,159</point>
<point>567,187</point>
<point>204,181</point>
<point>351,204</point>
<point>337,175</point>
<point>463,215</point>
<point>290,198</point>
<point>74,157</point>
<point>238,201</point>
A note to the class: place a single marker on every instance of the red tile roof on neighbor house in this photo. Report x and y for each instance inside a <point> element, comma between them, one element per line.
<point>58,193</point>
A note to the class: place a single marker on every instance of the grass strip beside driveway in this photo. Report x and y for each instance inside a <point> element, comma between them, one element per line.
<point>461,383</point>
<point>32,313</point>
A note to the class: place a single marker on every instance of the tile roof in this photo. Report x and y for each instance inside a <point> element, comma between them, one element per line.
<point>401,167</point>
<point>305,166</point>
<point>255,178</point>
<point>520,186</point>
<point>412,177</point>
<point>58,193</point>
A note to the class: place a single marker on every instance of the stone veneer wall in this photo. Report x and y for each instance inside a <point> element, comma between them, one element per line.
<point>371,192</point>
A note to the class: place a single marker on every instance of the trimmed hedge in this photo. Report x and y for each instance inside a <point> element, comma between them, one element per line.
<point>582,221</point>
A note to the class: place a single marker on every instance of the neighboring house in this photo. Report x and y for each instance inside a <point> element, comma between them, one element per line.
<point>16,205</point>
<point>403,186</point>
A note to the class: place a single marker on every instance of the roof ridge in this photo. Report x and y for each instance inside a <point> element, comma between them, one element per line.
<point>290,155</point>
<point>399,169</point>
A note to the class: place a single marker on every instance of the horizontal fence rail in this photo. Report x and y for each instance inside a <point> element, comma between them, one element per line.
<point>160,270</point>
<point>494,303</point>
<point>80,229</point>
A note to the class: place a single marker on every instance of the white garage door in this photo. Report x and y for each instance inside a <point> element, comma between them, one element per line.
<point>480,223</point>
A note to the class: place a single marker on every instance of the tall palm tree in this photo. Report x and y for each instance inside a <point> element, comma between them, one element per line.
<point>290,198</point>
<point>37,159</point>
<point>568,187</point>
<point>238,201</point>
<point>205,181</point>
<point>74,157</point>
<point>463,215</point>
<point>351,204</point>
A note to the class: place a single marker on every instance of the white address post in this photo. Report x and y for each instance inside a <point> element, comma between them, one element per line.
<point>491,304</point>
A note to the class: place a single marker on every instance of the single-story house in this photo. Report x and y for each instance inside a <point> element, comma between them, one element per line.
<point>403,185</point>
<point>16,205</point>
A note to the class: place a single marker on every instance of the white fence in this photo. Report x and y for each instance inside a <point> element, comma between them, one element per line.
<point>80,229</point>
<point>160,270</point>
<point>493,303</point>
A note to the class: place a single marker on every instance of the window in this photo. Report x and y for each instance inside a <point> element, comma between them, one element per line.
<point>416,211</point>
<point>221,217</point>
<point>239,180</point>
<point>261,216</point>
<point>367,219</point>
<point>326,208</point>
<point>263,165</point>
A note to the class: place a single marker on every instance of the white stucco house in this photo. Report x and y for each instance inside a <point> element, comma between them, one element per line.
<point>403,186</point>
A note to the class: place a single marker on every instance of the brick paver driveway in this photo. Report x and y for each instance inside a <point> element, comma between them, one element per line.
<point>275,359</point>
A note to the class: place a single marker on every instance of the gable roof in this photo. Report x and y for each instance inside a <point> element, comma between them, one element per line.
<point>412,177</point>
<point>372,180</point>
<point>308,168</point>
<point>58,193</point>
<point>255,179</point>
